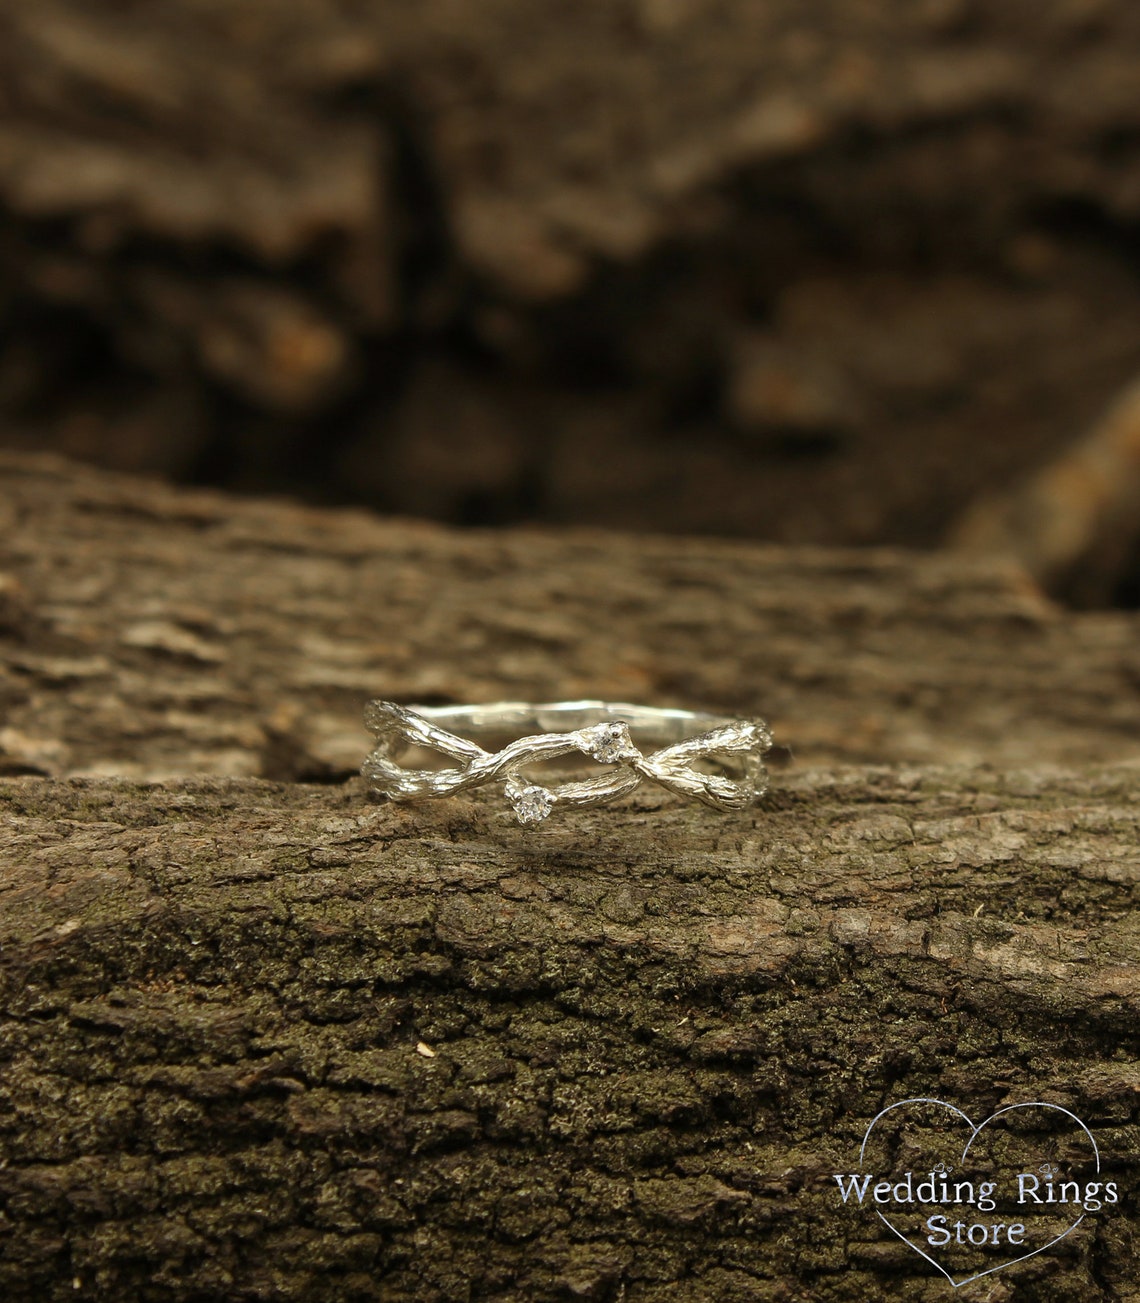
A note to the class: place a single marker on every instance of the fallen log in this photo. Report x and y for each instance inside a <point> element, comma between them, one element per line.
<point>265,1037</point>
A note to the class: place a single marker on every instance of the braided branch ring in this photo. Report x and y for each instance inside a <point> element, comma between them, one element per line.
<point>601,731</point>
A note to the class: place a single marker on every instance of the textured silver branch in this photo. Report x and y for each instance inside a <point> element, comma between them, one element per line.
<point>599,730</point>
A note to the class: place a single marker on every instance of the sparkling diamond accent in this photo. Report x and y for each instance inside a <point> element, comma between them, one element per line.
<point>531,803</point>
<point>608,743</point>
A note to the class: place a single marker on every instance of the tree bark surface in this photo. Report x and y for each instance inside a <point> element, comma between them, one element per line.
<point>266,1038</point>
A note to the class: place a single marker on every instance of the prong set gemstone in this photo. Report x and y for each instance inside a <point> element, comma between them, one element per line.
<point>599,730</point>
<point>608,743</point>
<point>530,802</point>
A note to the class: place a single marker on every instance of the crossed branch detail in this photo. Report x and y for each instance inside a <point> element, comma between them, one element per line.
<point>737,744</point>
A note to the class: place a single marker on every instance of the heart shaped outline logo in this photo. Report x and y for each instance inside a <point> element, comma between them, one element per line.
<point>975,1131</point>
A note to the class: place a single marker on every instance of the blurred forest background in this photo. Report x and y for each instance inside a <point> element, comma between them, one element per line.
<point>830,271</point>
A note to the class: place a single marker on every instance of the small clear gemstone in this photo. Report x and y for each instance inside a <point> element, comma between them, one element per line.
<point>531,803</point>
<point>608,743</point>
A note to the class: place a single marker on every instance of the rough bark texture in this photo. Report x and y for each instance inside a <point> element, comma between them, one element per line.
<point>799,269</point>
<point>154,631</point>
<point>267,1039</point>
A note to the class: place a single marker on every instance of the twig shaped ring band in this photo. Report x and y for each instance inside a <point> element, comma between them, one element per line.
<point>731,751</point>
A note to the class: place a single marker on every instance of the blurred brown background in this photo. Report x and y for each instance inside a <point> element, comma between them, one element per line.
<point>799,270</point>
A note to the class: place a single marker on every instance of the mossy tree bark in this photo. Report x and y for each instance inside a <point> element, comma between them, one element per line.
<point>265,1038</point>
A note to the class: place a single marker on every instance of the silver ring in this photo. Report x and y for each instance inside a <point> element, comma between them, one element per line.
<point>601,731</point>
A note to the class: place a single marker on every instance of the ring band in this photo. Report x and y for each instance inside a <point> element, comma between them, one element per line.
<point>599,730</point>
